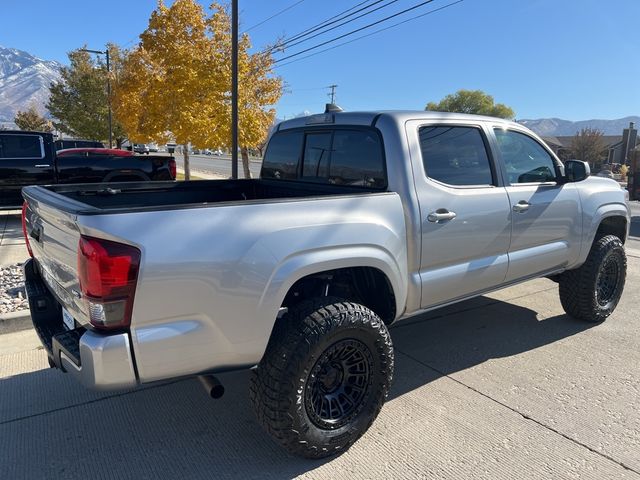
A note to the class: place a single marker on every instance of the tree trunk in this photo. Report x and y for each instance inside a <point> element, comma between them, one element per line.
<point>185,156</point>
<point>119,142</point>
<point>244,151</point>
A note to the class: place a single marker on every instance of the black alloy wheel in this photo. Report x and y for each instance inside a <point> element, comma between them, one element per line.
<point>338,384</point>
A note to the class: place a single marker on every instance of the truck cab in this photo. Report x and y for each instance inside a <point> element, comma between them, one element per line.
<point>26,158</point>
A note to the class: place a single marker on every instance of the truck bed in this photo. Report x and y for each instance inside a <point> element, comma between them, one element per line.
<point>91,199</point>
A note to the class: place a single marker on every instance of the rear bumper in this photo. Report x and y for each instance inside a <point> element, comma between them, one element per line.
<point>98,361</point>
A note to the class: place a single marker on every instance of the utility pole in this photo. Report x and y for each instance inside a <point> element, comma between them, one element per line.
<point>106,53</point>
<point>333,93</point>
<point>234,89</point>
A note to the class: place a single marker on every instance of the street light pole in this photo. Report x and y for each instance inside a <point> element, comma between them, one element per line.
<point>234,89</point>
<point>106,52</point>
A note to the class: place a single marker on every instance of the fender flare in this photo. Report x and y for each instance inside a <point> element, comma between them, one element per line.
<point>303,264</point>
<point>604,211</point>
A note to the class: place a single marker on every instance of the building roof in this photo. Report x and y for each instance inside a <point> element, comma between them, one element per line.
<point>552,141</point>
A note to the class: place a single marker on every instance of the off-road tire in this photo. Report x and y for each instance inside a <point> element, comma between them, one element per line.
<point>581,290</point>
<point>288,388</point>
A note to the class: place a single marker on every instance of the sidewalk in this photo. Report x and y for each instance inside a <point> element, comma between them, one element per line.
<point>12,247</point>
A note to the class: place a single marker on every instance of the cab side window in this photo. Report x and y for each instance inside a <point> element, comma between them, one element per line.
<point>455,156</point>
<point>525,160</point>
<point>14,145</point>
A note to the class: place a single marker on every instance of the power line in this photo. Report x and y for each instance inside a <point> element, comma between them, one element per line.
<point>307,37</point>
<point>372,33</point>
<point>354,31</point>
<point>273,16</point>
<point>325,23</point>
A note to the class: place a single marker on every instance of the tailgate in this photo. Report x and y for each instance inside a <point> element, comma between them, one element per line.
<point>53,235</point>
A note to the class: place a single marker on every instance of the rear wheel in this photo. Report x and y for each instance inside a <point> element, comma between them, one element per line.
<point>592,292</point>
<point>324,377</point>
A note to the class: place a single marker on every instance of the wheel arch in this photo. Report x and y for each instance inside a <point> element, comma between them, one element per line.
<point>609,219</point>
<point>359,262</point>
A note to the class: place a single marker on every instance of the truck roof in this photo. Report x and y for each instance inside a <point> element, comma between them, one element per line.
<point>26,132</point>
<point>399,116</point>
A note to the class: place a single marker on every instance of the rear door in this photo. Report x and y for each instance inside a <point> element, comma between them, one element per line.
<point>464,208</point>
<point>547,220</point>
<point>25,159</point>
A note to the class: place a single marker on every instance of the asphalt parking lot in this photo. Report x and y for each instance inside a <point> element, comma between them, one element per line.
<point>502,386</point>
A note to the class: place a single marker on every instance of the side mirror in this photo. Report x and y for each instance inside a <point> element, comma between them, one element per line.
<point>576,170</point>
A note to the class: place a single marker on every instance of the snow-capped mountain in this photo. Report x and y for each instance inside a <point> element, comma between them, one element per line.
<point>557,127</point>
<point>24,79</point>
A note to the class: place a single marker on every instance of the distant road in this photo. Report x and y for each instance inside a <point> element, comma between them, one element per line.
<point>220,165</point>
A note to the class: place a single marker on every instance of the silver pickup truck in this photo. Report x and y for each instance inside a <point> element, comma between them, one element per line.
<point>358,221</point>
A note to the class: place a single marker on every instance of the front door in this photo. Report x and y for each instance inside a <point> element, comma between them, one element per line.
<point>23,161</point>
<point>465,213</point>
<point>547,225</point>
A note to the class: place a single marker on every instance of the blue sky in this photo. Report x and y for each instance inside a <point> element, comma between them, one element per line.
<point>573,59</point>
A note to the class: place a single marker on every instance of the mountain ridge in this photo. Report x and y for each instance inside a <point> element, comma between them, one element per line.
<point>24,80</point>
<point>558,127</point>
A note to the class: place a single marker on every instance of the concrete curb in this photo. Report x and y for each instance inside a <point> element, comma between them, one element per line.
<point>15,321</point>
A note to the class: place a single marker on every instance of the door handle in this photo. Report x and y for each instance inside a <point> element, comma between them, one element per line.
<point>441,215</point>
<point>521,206</point>
<point>43,166</point>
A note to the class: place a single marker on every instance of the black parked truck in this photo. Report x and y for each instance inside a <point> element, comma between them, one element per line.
<point>30,158</point>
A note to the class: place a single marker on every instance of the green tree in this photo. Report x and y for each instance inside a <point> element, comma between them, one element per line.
<point>472,101</point>
<point>79,102</point>
<point>589,146</point>
<point>30,119</point>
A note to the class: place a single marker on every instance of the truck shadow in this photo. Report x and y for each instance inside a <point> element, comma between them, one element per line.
<point>451,340</point>
<point>53,428</point>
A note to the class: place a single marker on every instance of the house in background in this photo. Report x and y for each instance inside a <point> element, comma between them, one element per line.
<point>618,147</point>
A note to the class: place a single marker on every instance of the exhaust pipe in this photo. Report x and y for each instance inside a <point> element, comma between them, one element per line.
<point>212,386</point>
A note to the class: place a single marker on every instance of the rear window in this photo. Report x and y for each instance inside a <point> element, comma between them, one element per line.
<point>282,156</point>
<point>21,146</point>
<point>338,157</point>
<point>64,144</point>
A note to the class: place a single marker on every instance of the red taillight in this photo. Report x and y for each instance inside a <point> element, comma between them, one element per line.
<point>172,168</point>
<point>108,272</point>
<point>24,228</point>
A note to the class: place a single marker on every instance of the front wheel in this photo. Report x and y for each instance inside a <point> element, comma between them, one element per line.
<point>592,292</point>
<point>324,377</point>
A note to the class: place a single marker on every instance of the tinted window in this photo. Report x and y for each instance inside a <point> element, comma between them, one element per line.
<point>20,146</point>
<point>63,144</point>
<point>282,156</point>
<point>356,159</point>
<point>317,150</point>
<point>455,155</point>
<point>525,159</point>
<point>340,157</point>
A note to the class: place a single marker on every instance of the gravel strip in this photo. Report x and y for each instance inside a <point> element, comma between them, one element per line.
<point>12,294</point>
